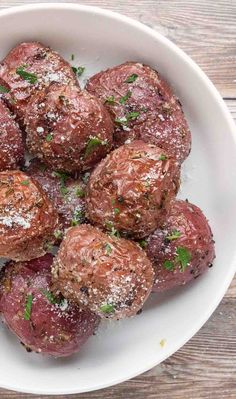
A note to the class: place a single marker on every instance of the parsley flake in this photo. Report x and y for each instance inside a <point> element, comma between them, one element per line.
<point>110,100</point>
<point>169,265</point>
<point>80,192</point>
<point>50,297</point>
<point>92,144</point>
<point>29,77</point>
<point>77,218</point>
<point>107,308</point>
<point>108,249</point>
<point>58,234</point>
<point>116,211</point>
<point>183,257</point>
<point>131,78</point>
<point>162,157</point>
<point>173,235</point>
<point>78,70</point>
<point>143,243</point>
<point>125,98</point>
<point>28,306</point>
<point>48,138</point>
<point>4,89</point>
<point>25,182</point>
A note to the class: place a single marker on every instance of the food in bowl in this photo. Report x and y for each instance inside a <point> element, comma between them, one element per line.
<point>143,106</point>
<point>43,322</point>
<point>67,128</point>
<point>127,131</point>
<point>110,275</point>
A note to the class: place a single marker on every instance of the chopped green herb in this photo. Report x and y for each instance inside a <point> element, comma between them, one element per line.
<point>72,57</point>
<point>109,224</point>
<point>78,70</point>
<point>58,234</point>
<point>144,109</point>
<point>116,211</point>
<point>3,89</point>
<point>114,233</point>
<point>25,182</point>
<point>92,144</point>
<point>48,138</point>
<point>77,218</point>
<point>169,265</point>
<point>162,157</point>
<point>80,192</point>
<point>49,295</point>
<point>125,98</point>
<point>63,176</point>
<point>143,243</point>
<point>107,308</point>
<point>64,190</point>
<point>108,249</point>
<point>131,78</point>
<point>131,116</point>
<point>110,100</point>
<point>113,201</point>
<point>173,235</point>
<point>183,257</point>
<point>28,306</point>
<point>30,77</point>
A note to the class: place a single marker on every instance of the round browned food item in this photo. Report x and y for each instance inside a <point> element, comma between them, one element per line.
<point>69,129</point>
<point>183,249</point>
<point>27,217</point>
<point>67,194</point>
<point>11,143</point>
<point>29,67</point>
<point>44,323</point>
<point>143,106</point>
<point>110,275</point>
<point>131,189</point>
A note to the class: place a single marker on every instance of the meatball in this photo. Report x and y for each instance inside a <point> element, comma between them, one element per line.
<point>144,107</point>
<point>183,249</point>
<point>29,67</point>
<point>44,323</point>
<point>68,129</point>
<point>111,276</point>
<point>11,143</point>
<point>131,189</point>
<point>67,194</point>
<point>27,217</point>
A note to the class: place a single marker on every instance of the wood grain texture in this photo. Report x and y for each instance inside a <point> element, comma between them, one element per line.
<point>205,368</point>
<point>205,29</point>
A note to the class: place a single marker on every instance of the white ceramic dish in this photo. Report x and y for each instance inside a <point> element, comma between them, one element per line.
<point>122,350</point>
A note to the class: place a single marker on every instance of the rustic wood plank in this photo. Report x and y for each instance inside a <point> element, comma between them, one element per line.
<point>204,29</point>
<point>206,366</point>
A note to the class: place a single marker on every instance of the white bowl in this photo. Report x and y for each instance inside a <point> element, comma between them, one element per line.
<point>124,349</point>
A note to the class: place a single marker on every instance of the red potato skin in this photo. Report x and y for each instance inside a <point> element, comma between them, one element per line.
<point>11,142</point>
<point>43,62</point>
<point>67,198</point>
<point>27,217</point>
<point>131,189</point>
<point>161,120</point>
<point>195,236</point>
<point>95,269</point>
<point>51,330</point>
<point>60,122</point>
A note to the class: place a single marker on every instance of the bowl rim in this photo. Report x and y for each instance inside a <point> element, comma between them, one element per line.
<point>231,130</point>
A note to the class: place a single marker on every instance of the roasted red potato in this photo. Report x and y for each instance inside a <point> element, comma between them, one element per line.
<point>183,249</point>
<point>68,129</point>
<point>30,67</point>
<point>11,142</point>
<point>111,276</point>
<point>44,323</point>
<point>131,189</point>
<point>28,219</point>
<point>143,106</point>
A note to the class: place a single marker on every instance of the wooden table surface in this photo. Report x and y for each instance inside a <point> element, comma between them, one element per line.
<point>206,366</point>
